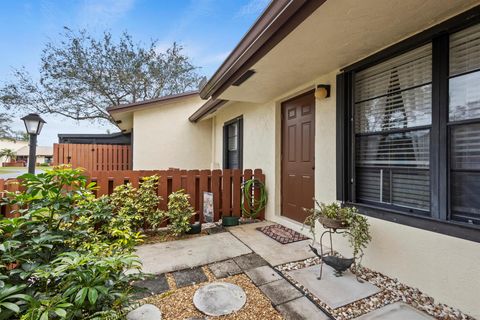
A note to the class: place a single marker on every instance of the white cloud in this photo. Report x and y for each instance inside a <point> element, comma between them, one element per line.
<point>253,7</point>
<point>94,12</point>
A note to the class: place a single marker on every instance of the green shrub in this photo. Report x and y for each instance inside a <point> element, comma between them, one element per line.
<point>179,212</point>
<point>136,205</point>
<point>66,255</point>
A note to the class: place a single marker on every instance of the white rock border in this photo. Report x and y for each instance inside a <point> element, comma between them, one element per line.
<point>392,291</point>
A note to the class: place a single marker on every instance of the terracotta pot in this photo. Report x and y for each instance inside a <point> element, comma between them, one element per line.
<point>333,223</point>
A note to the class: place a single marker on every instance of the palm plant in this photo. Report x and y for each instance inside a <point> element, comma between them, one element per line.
<point>8,154</point>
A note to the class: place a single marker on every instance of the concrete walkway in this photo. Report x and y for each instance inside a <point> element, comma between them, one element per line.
<point>189,253</point>
<point>246,250</point>
<point>274,252</point>
<point>395,311</point>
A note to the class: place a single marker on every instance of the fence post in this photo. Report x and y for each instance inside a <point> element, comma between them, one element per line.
<point>216,194</point>
<point>191,184</point>
<point>176,180</point>
<point>12,185</point>
<point>258,174</point>
<point>237,193</point>
<point>203,187</point>
<point>247,175</point>
<point>226,192</point>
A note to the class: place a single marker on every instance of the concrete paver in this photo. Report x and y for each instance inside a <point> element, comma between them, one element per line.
<point>280,291</point>
<point>301,309</point>
<point>334,291</point>
<point>250,261</point>
<point>188,277</point>
<point>270,250</point>
<point>219,298</point>
<point>155,285</point>
<point>263,275</point>
<point>224,269</point>
<point>395,311</point>
<point>182,254</point>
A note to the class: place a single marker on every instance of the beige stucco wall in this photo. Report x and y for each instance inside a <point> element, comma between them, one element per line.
<point>13,145</point>
<point>443,267</point>
<point>259,150</point>
<point>164,138</point>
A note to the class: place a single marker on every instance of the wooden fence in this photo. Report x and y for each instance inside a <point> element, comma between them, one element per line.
<point>226,186</point>
<point>93,157</point>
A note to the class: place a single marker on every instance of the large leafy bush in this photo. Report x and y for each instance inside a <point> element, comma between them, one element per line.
<point>66,254</point>
<point>178,214</point>
<point>136,205</point>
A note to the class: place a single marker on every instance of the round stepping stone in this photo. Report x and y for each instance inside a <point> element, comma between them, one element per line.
<point>219,298</point>
<point>145,312</point>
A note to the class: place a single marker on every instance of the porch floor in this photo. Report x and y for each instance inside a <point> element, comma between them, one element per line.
<point>274,252</point>
<point>243,249</point>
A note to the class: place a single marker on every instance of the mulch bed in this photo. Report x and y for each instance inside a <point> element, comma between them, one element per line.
<point>177,304</point>
<point>282,234</point>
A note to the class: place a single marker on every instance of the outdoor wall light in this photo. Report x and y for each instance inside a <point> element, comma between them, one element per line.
<point>322,91</point>
<point>33,124</point>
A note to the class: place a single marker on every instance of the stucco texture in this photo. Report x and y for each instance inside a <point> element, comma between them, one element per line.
<point>443,267</point>
<point>164,138</point>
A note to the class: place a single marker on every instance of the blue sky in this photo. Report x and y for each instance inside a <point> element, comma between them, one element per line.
<point>208,30</point>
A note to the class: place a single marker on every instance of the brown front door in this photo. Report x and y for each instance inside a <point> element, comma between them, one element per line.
<point>298,152</point>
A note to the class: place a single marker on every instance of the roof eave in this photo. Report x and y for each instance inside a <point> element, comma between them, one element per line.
<point>207,108</point>
<point>142,104</point>
<point>275,23</point>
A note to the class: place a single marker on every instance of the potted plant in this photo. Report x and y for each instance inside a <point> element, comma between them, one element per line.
<point>335,216</point>
<point>196,227</point>
<point>228,221</point>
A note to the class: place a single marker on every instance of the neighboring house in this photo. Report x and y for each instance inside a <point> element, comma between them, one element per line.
<point>397,137</point>
<point>162,135</point>
<point>14,145</point>
<point>117,138</point>
<point>44,155</point>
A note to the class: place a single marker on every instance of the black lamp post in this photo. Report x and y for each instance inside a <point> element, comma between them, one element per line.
<point>33,124</point>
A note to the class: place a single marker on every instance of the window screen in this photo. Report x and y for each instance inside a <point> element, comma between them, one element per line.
<point>464,125</point>
<point>393,114</point>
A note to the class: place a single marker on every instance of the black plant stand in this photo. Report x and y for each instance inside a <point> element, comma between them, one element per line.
<point>331,231</point>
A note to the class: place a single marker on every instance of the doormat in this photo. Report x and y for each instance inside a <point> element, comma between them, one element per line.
<point>282,234</point>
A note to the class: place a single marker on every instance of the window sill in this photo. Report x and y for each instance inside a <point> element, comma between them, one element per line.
<point>449,228</point>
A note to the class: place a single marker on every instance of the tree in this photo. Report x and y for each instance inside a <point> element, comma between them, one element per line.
<point>20,135</point>
<point>8,154</point>
<point>81,76</point>
<point>6,131</point>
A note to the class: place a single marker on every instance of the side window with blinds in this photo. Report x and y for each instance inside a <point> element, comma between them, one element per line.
<point>464,125</point>
<point>409,131</point>
<point>393,115</point>
<point>233,144</point>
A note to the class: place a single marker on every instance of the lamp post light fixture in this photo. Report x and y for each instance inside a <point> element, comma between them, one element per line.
<point>33,124</point>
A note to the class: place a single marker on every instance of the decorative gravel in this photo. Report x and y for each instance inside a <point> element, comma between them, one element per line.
<point>177,304</point>
<point>392,291</point>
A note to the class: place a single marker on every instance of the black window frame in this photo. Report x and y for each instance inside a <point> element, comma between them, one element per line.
<point>239,121</point>
<point>437,221</point>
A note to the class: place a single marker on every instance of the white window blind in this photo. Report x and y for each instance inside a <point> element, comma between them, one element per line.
<point>464,117</point>
<point>393,103</point>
